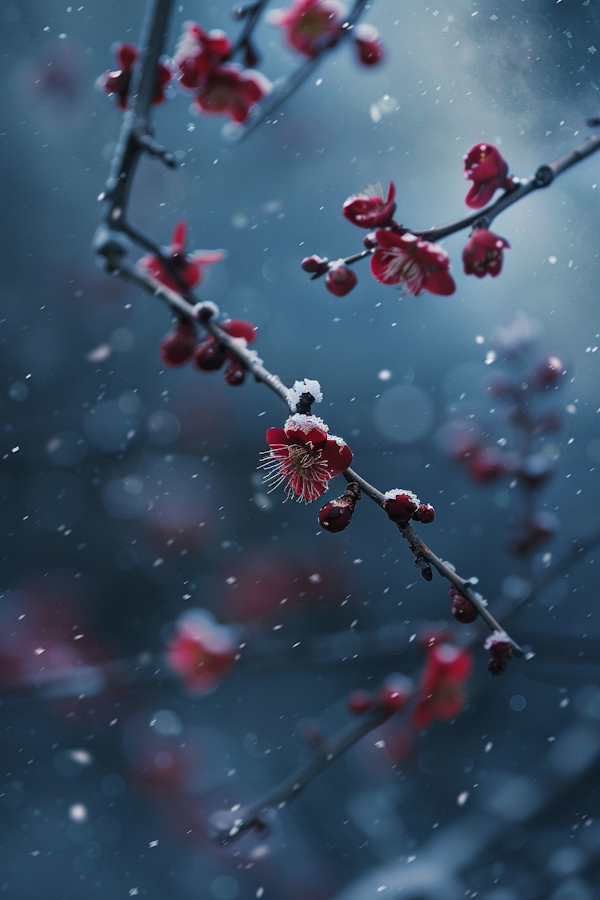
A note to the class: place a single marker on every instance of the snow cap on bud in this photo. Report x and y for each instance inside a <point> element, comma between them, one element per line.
<point>400,505</point>
<point>501,650</point>
<point>314,264</point>
<point>340,280</point>
<point>462,609</point>
<point>307,386</point>
<point>178,347</point>
<point>394,693</point>
<point>425,514</point>
<point>359,702</point>
<point>368,44</point>
<point>336,515</point>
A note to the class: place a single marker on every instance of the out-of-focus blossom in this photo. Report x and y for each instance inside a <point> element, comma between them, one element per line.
<point>369,45</point>
<point>485,167</point>
<point>369,209</point>
<point>310,25</point>
<point>548,371</point>
<point>486,464</point>
<point>233,91</point>
<point>188,266</point>
<point>441,693</point>
<point>501,650</point>
<point>118,81</point>
<point>201,651</point>
<point>198,53</point>
<point>406,259</point>
<point>482,254</point>
<point>211,355</point>
<point>178,346</point>
<point>304,457</point>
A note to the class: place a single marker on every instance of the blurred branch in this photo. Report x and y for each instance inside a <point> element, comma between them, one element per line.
<point>283,87</point>
<point>330,750</point>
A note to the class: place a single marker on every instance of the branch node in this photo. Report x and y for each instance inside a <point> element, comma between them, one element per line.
<point>544,176</point>
<point>110,244</point>
<point>153,148</point>
<point>205,310</point>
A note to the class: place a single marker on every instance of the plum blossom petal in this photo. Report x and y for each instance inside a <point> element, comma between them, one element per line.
<point>407,259</point>
<point>486,168</point>
<point>369,209</point>
<point>310,25</point>
<point>304,457</point>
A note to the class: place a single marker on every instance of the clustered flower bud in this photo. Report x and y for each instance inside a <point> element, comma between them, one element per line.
<point>336,515</point>
<point>424,514</point>
<point>462,609</point>
<point>402,506</point>
<point>501,651</point>
<point>178,348</point>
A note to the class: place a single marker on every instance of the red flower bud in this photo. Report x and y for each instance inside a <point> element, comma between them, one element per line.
<point>314,264</point>
<point>368,44</point>
<point>501,651</point>
<point>336,515</point>
<point>340,281</point>
<point>209,355</point>
<point>462,609</point>
<point>235,373</point>
<point>394,693</point>
<point>239,328</point>
<point>400,505</point>
<point>359,702</point>
<point>178,347</point>
<point>424,514</point>
<point>496,666</point>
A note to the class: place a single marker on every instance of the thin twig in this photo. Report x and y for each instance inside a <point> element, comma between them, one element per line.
<point>544,176</point>
<point>251,362</point>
